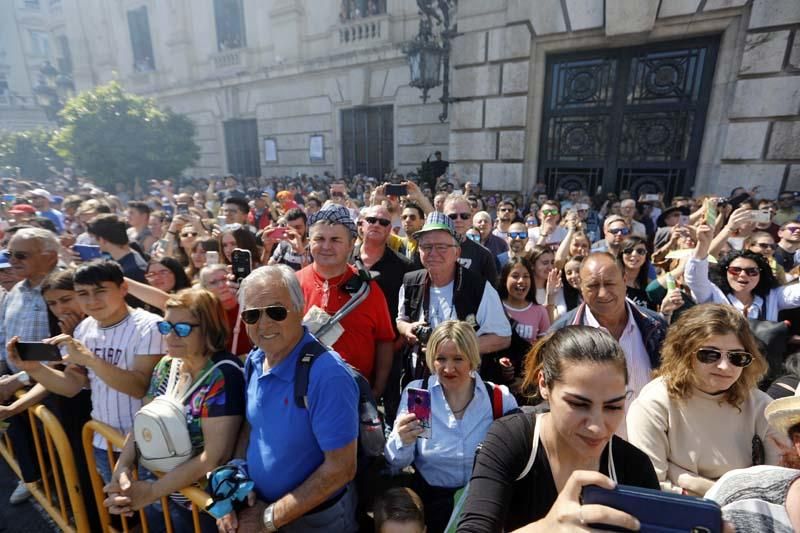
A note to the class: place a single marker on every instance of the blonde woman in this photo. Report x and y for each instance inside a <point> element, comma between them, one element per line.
<point>462,408</point>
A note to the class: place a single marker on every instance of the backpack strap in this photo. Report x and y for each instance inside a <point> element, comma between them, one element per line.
<point>495,399</point>
<point>198,381</point>
<point>310,351</point>
<point>173,377</point>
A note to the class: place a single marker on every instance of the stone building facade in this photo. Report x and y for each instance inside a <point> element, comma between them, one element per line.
<point>675,95</point>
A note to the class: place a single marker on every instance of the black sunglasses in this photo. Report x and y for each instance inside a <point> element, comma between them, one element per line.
<point>736,358</point>
<point>375,220</point>
<point>19,256</point>
<point>462,216</point>
<point>278,313</point>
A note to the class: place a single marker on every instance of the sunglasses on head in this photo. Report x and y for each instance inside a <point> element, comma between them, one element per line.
<point>549,212</point>
<point>738,358</point>
<point>462,216</point>
<point>750,271</point>
<point>638,251</point>
<point>619,231</point>
<point>518,234</point>
<point>278,313</point>
<point>375,220</point>
<point>181,329</point>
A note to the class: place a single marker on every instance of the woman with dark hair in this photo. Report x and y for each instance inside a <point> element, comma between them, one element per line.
<point>197,258</point>
<point>531,467</point>
<point>707,385</point>
<point>571,281</point>
<point>233,237</point>
<point>528,318</point>
<point>634,255</point>
<point>547,281</point>
<point>746,282</point>
<point>786,385</point>
<point>167,274</point>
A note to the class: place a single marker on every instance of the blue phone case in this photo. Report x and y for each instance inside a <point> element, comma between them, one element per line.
<point>657,511</point>
<point>87,251</point>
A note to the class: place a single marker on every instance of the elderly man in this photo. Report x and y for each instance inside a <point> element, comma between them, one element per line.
<point>301,459</point>
<point>446,290</point>
<point>328,283</point>
<point>615,230</point>
<point>482,221</point>
<point>472,256</point>
<point>627,208</point>
<point>33,254</point>
<point>639,331</point>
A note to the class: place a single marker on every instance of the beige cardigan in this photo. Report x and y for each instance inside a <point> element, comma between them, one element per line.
<point>698,435</point>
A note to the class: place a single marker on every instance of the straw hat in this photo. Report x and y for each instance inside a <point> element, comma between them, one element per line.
<point>784,413</point>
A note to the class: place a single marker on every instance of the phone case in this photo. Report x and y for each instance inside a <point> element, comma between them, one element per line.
<point>87,251</point>
<point>241,262</point>
<point>657,511</point>
<point>419,403</point>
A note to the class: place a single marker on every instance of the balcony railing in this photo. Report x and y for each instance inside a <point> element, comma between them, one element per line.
<point>364,32</point>
<point>228,59</point>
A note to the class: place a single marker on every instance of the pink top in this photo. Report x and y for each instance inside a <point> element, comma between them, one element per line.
<point>532,321</point>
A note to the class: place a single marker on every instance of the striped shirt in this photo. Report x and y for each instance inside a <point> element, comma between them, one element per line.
<point>119,345</point>
<point>23,313</point>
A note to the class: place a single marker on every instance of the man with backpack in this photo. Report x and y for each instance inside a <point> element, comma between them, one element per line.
<point>300,453</point>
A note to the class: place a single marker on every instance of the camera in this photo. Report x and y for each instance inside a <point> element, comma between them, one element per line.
<point>423,333</point>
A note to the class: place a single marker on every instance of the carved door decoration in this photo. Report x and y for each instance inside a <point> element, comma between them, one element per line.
<point>626,118</point>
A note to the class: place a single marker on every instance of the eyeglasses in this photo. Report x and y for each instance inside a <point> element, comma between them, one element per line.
<point>375,220</point>
<point>190,234</point>
<point>440,248</point>
<point>710,356</point>
<point>505,209</point>
<point>750,271</point>
<point>19,256</point>
<point>793,229</point>
<point>462,216</point>
<point>518,234</point>
<point>278,313</point>
<point>181,329</point>
<point>766,245</point>
<point>549,212</point>
<point>637,251</point>
<point>619,231</point>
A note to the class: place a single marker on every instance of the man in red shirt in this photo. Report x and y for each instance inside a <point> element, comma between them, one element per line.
<point>368,334</point>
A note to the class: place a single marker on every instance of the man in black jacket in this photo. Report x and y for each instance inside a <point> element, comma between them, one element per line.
<point>473,256</point>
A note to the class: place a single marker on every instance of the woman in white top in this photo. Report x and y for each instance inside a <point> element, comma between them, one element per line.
<point>747,282</point>
<point>703,415</point>
<point>461,411</point>
<point>547,281</point>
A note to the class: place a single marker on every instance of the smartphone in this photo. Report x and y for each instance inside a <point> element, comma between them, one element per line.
<point>393,189</point>
<point>277,233</point>
<point>711,214</point>
<point>684,221</point>
<point>87,251</point>
<point>657,511</point>
<point>651,198</point>
<point>419,403</point>
<point>212,257</point>
<point>182,208</point>
<point>242,262</point>
<point>338,188</point>
<point>38,351</point>
<point>762,216</point>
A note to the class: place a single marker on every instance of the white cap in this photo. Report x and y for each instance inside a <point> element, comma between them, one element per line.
<point>43,193</point>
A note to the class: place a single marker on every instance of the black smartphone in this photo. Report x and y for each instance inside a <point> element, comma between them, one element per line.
<point>38,351</point>
<point>657,511</point>
<point>393,189</point>
<point>182,208</point>
<point>242,263</point>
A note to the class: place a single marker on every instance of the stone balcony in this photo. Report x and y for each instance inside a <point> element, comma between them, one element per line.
<point>362,33</point>
<point>230,59</point>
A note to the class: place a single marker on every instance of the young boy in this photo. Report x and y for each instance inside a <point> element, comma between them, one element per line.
<point>112,352</point>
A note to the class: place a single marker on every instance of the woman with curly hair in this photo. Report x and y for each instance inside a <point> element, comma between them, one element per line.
<point>746,282</point>
<point>703,415</point>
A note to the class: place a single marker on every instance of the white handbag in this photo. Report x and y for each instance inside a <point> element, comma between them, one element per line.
<point>159,428</point>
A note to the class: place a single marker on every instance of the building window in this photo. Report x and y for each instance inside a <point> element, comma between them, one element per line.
<point>65,61</point>
<point>40,43</point>
<point>356,9</point>
<point>229,17</point>
<point>140,40</point>
<point>368,141</point>
<point>241,147</point>
<point>626,118</point>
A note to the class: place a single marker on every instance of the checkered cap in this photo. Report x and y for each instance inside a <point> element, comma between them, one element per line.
<point>436,221</point>
<point>334,214</point>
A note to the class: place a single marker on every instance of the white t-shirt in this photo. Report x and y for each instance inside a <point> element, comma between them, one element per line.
<point>119,345</point>
<point>554,239</point>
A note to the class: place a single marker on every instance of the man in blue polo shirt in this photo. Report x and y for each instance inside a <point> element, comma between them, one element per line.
<point>301,459</point>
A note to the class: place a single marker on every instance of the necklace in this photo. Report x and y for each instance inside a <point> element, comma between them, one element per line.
<point>459,411</point>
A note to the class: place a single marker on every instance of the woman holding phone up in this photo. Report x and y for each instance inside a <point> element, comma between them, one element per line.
<point>530,470</point>
<point>461,412</point>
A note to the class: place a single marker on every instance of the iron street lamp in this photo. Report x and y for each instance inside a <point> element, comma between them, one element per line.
<point>52,90</point>
<point>429,53</point>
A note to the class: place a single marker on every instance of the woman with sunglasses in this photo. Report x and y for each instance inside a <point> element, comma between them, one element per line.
<point>633,253</point>
<point>703,415</point>
<point>196,332</point>
<point>746,282</point>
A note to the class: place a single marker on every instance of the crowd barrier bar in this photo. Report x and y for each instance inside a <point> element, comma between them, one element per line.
<point>63,470</point>
<point>114,439</point>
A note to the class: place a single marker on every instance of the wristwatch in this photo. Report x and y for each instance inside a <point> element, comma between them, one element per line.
<point>268,524</point>
<point>23,378</point>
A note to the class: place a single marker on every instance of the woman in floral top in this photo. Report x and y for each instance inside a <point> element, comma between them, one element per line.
<point>196,334</point>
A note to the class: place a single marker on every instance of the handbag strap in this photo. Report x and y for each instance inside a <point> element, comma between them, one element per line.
<point>198,381</point>
<point>173,377</point>
<point>612,471</point>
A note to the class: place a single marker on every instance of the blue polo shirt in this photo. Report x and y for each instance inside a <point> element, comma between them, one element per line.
<point>287,443</point>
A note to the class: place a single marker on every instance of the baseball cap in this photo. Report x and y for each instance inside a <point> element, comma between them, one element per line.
<point>22,209</point>
<point>43,193</point>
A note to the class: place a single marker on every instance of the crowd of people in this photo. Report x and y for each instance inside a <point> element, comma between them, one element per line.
<point>561,340</point>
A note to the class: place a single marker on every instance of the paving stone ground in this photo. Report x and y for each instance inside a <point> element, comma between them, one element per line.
<point>26,517</point>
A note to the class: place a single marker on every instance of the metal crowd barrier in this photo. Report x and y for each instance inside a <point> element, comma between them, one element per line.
<point>114,439</point>
<point>57,467</point>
